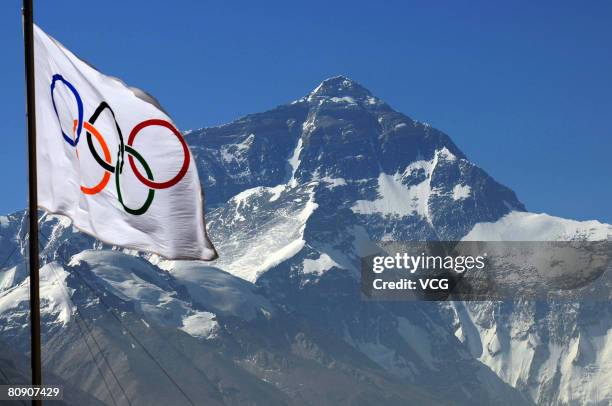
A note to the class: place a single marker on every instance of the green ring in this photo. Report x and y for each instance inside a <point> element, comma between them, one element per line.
<point>150,196</point>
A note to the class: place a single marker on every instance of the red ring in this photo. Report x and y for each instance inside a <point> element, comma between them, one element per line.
<point>182,171</point>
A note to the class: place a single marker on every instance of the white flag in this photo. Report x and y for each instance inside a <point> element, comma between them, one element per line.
<point>112,160</point>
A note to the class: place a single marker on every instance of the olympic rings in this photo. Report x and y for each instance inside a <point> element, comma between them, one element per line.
<point>106,161</point>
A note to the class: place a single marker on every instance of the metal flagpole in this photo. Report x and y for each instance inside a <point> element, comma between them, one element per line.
<point>28,29</point>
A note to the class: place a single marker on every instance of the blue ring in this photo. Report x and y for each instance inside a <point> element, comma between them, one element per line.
<point>68,139</point>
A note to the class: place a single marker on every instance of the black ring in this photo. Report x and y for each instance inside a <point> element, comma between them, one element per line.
<point>108,167</point>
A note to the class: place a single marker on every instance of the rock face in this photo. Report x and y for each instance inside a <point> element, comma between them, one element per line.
<point>293,195</point>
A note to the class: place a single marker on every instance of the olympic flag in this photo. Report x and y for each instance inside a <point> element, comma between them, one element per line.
<point>111,160</point>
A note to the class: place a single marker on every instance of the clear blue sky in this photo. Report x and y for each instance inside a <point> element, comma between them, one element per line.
<point>523,87</point>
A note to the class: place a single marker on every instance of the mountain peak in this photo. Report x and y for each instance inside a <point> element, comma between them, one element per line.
<point>340,86</point>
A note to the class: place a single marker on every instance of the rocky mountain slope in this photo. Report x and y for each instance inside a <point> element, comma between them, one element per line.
<point>293,197</point>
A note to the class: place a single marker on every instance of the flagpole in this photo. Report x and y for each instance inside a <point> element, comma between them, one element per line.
<point>28,29</point>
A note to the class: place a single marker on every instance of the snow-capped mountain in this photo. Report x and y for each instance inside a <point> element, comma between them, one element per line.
<point>294,195</point>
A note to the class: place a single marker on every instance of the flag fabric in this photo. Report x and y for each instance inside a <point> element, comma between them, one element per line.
<point>111,159</point>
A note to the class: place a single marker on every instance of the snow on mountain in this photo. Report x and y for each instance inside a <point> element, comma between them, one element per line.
<point>279,228</point>
<point>461,192</point>
<point>395,198</point>
<point>319,265</point>
<point>219,291</point>
<point>558,352</point>
<point>12,277</point>
<point>523,226</point>
<point>54,304</point>
<point>294,196</point>
<point>153,294</point>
